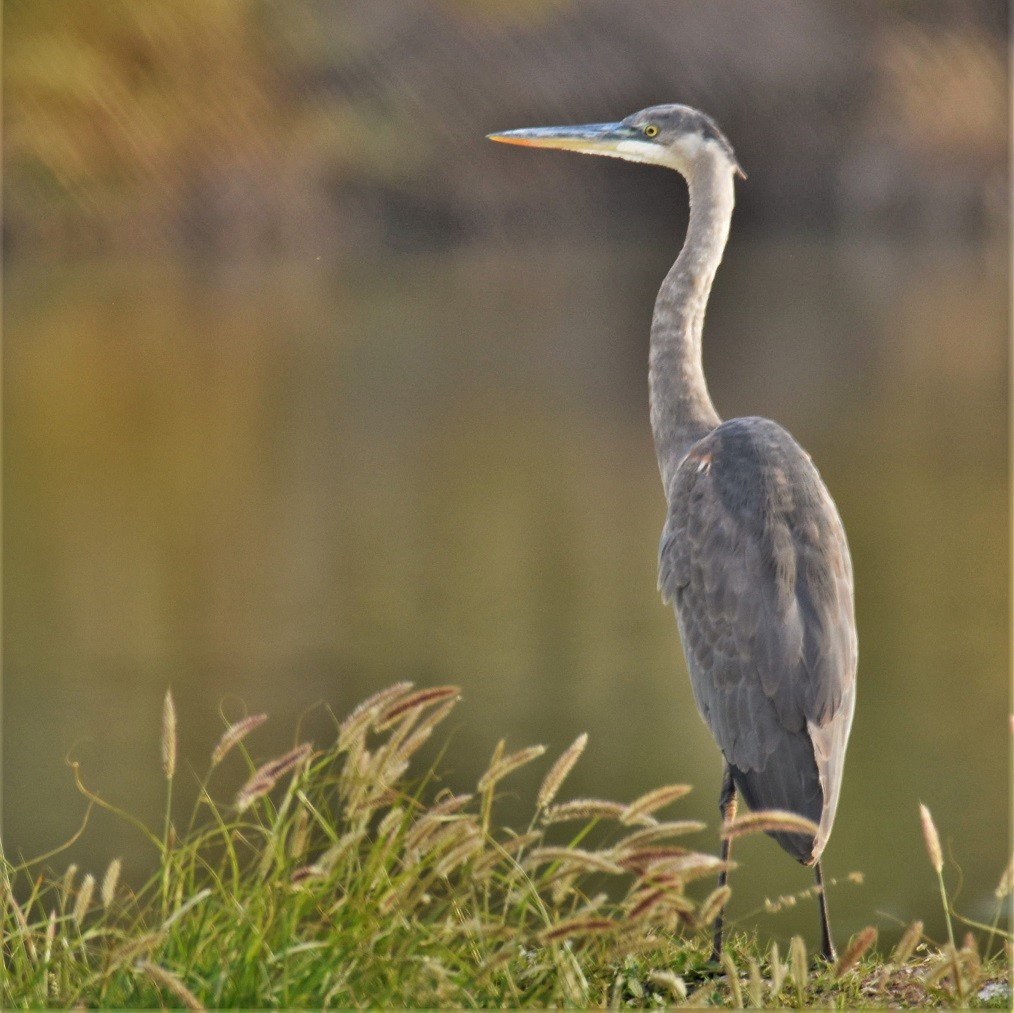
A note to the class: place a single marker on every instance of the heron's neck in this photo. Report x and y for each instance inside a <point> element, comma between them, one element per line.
<point>681,408</point>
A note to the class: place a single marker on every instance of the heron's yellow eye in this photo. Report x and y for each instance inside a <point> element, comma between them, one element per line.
<point>650,130</point>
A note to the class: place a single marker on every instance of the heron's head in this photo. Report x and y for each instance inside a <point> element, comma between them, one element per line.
<point>675,136</point>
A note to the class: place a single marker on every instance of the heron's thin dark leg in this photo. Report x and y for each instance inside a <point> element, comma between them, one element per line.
<point>727,807</point>
<point>826,944</point>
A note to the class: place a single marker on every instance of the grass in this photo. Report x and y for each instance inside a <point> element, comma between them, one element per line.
<point>330,879</point>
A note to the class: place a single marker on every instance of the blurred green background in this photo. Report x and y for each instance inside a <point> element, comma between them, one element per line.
<point>308,388</point>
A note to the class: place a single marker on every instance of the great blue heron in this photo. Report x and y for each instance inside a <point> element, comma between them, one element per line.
<point>753,554</point>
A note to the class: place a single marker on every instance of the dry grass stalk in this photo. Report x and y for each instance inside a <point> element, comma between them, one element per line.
<point>268,775</point>
<point>508,764</point>
<point>168,735</point>
<point>652,801</point>
<point>84,898</point>
<point>583,809</point>
<point>856,949</point>
<point>908,942</point>
<point>572,857</point>
<point>932,839</point>
<point>552,782</point>
<point>672,983</point>
<point>767,820</point>
<point>235,734</point>
<point>659,832</point>
<point>167,980</point>
<point>109,881</point>
<point>712,905</point>
<point>732,977</point>
<point>419,700</point>
<point>577,927</point>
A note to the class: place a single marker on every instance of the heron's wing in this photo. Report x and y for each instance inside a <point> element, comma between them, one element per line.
<point>754,558</point>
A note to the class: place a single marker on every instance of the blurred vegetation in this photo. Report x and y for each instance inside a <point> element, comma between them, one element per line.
<point>337,878</point>
<point>256,125</point>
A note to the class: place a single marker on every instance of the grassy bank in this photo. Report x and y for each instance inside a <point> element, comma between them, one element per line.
<point>335,877</point>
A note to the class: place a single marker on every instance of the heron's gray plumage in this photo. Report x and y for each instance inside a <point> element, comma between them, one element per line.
<point>754,559</point>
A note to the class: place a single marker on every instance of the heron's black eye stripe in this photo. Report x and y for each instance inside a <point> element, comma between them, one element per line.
<point>650,130</point>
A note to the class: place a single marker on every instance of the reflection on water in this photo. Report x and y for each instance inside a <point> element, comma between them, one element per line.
<point>279,488</point>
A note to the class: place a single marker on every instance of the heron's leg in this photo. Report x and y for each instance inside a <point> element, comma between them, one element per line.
<point>826,944</point>
<point>727,807</point>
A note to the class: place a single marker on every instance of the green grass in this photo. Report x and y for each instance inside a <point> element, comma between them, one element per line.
<point>331,879</point>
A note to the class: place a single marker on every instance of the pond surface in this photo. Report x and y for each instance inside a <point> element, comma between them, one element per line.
<point>281,487</point>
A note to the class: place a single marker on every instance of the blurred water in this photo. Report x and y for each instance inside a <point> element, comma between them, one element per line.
<point>280,487</point>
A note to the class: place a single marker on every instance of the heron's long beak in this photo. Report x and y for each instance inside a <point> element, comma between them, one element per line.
<point>603,138</point>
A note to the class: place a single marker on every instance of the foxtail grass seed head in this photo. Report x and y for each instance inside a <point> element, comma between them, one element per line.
<point>1006,883</point>
<point>363,713</point>
<point>732,977</point>
<point>109,882</point>
<point>50,935</point>
<point>552,782</point>
<point>932,838</point>
<point>908,942</point>
<point>268,775</point>
<point>659,832</point>
<point>778,970</point>
<point>755,983</point>
<point>649,803</point>
<point>505,765</point>
<point>84,898</point>
<point>235,734</point>
<point>672,983</point>
<point>576,858</point>
<point>768,820</point>
<point>577,927</point>
<point>416,702</point>
<point>583,809</point>
<point>67,884</point>
<point>167,980</point>
<point>856,950</point>
<point>300,832</point>
<point>712,905</point>
<point>797,961</point>
<point>168,735</point>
